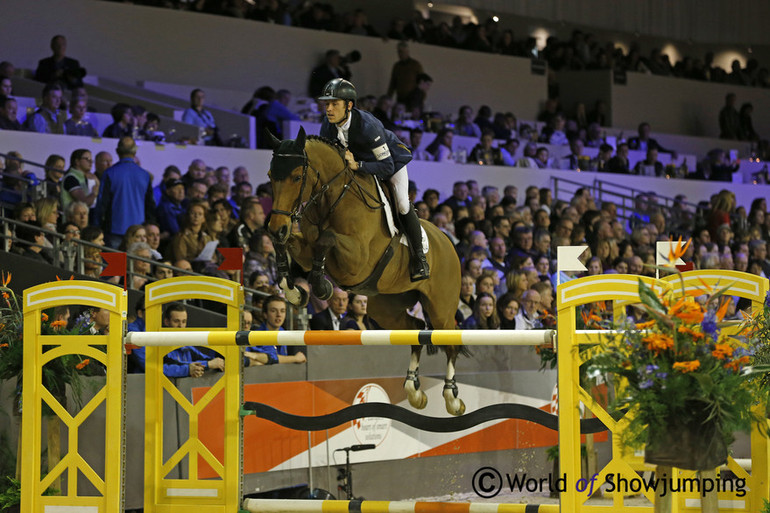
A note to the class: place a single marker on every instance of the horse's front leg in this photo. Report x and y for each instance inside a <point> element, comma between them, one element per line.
<point>295,295</point>
<point>454,405</point>
<point>417,397</point>
<point>322,287</point>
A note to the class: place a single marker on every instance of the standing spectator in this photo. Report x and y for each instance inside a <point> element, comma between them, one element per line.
<point>8,111</point>
<point>60,68</point>
<point>729,121</point>
<point>415,101</point>
<point>747,132</point>
<point>122,121</point>
<point>102,162</point>
<point>199,116</point>
<point>80,184</point>
<point>77,124</point>
<point>331,68</point>
<point>170,208</point>
<point>125,195</point>
<point>277,111</point>
<point>403,76</point>
<point>48,119</point>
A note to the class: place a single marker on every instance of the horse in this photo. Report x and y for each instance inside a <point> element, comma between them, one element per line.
<point>342,232</point>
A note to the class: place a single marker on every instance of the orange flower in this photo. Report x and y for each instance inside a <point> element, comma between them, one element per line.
<point>626,364</point>
<point>6,296</point>
<point>6,279</point>
<point>735,365</point>
<point>45,317</point>
<point>685,367</point>
<point>58,324</point>
<point>3,345</point>
<point>723,309</point>
<point>658,342</point>
<point>722,351</point>
<point>82,364</point>
<point>697,335</point>
<point>675,253</point>
<point>687,310</point>
<point>645,325</point>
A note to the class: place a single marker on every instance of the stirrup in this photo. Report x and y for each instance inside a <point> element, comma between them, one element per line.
<point>419,269</point>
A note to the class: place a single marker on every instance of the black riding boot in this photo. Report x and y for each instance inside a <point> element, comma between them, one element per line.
<point>418,265</point>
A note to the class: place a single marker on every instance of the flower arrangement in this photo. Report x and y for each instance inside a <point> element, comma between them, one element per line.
<point>679,370</point>
<point>66,370</point>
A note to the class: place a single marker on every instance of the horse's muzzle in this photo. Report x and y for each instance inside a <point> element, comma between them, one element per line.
<point>281,235</point>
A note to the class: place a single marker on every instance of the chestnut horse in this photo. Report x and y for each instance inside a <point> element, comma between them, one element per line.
<point>343,233</point>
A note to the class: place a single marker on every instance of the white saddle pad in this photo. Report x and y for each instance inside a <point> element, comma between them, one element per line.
<point>392,225</point>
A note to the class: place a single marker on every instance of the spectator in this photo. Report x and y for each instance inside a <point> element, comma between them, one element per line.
<point>507,309</point>
<point>747,132</point>
<point>79,183</point>
<point>195,171</point>
<point>171,209</point>
<point>6,86</point>
<point>77,214</point>
<point>122,122</point>
<point>729,120</point>
<point>404,75</point>
<point>54,170</point>
<point>650,166</point>
<point>331,317</point>
<point>484,153</point>
<point>619,163</point>
<point>331,68</point>
<point>643,141</point>
<point>485,315</point>
<point>33,244</point>
<point>8,112</point>
<point>441,146</point>
<point>576,161</point>
<point>277,112</point>
<point>415,141</point>
<point>48,119</point>
<point>246,233</point>
<point>102,162</point>
<point>77,124</point>
<point>415,101</point>
<point>60,68</point>
<point>465,125</point>
<point>139,268</point>
<point>357,317</point>
<point>382,112</point>
<point>601,161</point>
<point>274,308</point>
<point>125,195</point>
<point>135,233</point>
<point>529,311</point>
<point>201,117</point>
<point>192,238</point>
<point>508,152</point>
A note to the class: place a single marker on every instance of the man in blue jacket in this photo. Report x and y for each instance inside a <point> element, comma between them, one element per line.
<point>373,150</point>
<point>125,195</point>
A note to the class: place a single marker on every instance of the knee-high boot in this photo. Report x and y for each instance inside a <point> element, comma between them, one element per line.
<point>418,264</point>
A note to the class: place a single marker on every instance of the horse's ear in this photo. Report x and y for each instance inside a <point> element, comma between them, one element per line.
<point>300,141</point>
<point>272,140</point>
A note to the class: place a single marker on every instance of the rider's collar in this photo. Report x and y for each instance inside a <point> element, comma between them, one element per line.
<point>346,125</point>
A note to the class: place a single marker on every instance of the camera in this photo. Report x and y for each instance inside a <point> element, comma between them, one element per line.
<point>350,58</point>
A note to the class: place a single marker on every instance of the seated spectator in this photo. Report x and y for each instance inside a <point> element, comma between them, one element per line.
<point>275,314</point>
<point>138,120</point>
<point>246,233</point>
<point>261,256</point>
<point>507,309</point>
<point>33,244</point>
<point>619,163</point>
<point>594,137</point>
<point>240,192</point>
<point>357,317</point>
<point>331,317</point>
<point>508,151</point>
<point>54,171</point>
<point>484,153</point>
<point>188,243</point>
<point>6,87</point>
<point>554,133</point>
<point>48,119</point>
<point>92,261</point>
<point>714,167</point>
<point>197,190</point>
<point>382,112</point>
<point>643,141</point>
<point>601,161</point>
<point>160,272</point>
<point>277,111</point>
<point>415,140</point>
<point>60,68</point>
<point>465,125</point>
<point>485,315</point>
<point>542,158</point>
<point>141,270</point>
<point>77,214</point>
<point>77,124</point>
<point>159,190</point>
<point>201,117</point>
<point>122,122</point>
<point>79,183</point>
<point>576,161</point>
<point>441,146</point>
<point>8,111</point>
<point>529,312</point>
<point>195,171</point>
<point>650,166</point>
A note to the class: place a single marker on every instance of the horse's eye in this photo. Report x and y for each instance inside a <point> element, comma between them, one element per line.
<point>296,179</point>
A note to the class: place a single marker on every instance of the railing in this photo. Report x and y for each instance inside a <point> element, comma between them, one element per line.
<point>70,255</point>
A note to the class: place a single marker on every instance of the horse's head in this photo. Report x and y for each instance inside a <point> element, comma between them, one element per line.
<point>288,176</point>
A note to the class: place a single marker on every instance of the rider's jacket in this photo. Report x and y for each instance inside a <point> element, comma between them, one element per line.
<point>378,150</point>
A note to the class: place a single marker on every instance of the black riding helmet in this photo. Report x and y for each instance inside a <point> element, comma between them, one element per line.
<point>339,89</point>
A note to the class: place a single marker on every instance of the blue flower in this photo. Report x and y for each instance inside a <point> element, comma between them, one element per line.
<point>767,298</point>
<point>709,325</point>
<point>651,368</point>
<point>645,384</point>
<point>742,351</point>
<point>661,375</point>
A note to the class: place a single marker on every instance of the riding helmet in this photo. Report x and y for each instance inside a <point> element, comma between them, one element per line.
<point>339,89</point>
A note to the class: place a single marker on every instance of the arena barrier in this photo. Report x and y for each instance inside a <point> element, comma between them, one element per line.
<point>623,290</point>
<point>225,494</point>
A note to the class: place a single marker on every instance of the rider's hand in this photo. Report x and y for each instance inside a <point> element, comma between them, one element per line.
<point>351,160</point>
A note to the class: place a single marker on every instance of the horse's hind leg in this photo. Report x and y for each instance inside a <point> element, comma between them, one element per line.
<point>417,397</point>
<point>322,287</point>
<point>454,405</point>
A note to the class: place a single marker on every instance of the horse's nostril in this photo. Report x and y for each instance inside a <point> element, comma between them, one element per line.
<point>283,231</point>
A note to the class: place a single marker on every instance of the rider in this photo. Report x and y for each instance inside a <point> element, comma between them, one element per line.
<point>373,150</point>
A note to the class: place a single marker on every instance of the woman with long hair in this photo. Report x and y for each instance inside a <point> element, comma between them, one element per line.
<point>467,297</point>
<point>721,210</point>
<point>507,308</point>
<point>192,238</point>
<point>441,147</point>
<point>134,233</point>
<point>484,314</point>
<point>357,317</point>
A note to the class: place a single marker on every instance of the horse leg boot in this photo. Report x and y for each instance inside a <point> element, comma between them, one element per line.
<point>418,264</point>
<point>322,288</point>
<point>417,397</point>
<point>295,295</point>
<point>454,405</point>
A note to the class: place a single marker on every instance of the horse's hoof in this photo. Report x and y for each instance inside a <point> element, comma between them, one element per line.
<point>323,289</point>
<point>418,400</point>
<point>456,407</point>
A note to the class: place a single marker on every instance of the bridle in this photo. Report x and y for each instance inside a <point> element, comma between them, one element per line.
<point>298,209</point>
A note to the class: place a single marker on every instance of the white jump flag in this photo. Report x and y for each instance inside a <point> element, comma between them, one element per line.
<point>567,260</point>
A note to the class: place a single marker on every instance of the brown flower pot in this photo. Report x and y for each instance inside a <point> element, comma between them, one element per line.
<point>692,443</point>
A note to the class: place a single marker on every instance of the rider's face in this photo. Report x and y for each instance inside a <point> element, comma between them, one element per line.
<point>335,111</point>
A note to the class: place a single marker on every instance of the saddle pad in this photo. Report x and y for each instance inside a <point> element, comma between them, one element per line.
<point>392,224</point>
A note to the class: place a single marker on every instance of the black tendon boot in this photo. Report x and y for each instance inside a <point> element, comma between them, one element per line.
<point>418,265</point>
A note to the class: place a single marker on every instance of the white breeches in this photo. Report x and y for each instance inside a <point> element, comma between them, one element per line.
<point>400,183</point>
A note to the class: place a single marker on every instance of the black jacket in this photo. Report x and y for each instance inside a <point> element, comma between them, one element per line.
<point>381,152</point>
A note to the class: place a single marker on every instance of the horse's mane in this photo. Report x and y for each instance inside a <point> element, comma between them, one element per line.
<point>336,145</point>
